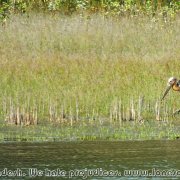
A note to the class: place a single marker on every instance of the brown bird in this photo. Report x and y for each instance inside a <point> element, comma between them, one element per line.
<point>172,83</point>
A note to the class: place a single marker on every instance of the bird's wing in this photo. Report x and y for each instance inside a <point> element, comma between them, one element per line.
<point>178,83</point>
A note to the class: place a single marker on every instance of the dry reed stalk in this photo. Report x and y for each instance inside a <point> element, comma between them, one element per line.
<point>110,115</point>
<point>42,107</point>
<point>93,114</point>
<point>27,117</point>
<point>92,117</point>
<point>157,110</point>
<point>56,118</point>
<point>71,116</point>
<point>123,113</point>
<point>11,113</point>
<point>19,116</point>
<point>18,121</point>
<point>97,115</point>
<point>52,112</point>
<point>115,110</point>
<point>167,113</point>
<point>62,114</point>
<point>127,114</point>
<point>23,115</point>
<point>30,117</point>
<point>88,114</point>
<point>120,112</point>
<point>35,118</point>
<point>132,111</point>
<point>140,106</point>
<point>77,111</point>
<point>27,111</point>
<point>162,111</point>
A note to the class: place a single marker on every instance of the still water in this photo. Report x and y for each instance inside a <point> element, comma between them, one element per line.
<point>90,160</point>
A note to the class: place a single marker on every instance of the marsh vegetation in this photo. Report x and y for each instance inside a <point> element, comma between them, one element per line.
<point>88,75</point>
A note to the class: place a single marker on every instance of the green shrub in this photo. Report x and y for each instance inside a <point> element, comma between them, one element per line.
<point>113,7</point>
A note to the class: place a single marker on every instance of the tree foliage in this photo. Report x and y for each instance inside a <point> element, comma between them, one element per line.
<point>112,7</point>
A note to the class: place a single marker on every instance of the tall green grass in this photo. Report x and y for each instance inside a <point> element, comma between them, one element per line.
<point>87,61</point>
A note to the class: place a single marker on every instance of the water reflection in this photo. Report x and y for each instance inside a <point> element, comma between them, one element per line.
<point>97,156</point>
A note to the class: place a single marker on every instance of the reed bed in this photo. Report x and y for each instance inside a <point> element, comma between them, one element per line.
<point>137,120</point>
<point>137,110</point>
<point>82,71</point>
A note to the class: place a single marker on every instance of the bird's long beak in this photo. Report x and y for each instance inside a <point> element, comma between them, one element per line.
<point>166,91</point>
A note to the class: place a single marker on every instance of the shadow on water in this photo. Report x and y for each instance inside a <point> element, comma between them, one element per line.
<point>80,158</point>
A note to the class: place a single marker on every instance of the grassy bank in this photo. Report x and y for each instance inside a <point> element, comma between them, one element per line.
<point>81,67</point>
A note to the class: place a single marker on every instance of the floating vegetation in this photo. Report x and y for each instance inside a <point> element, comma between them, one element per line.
<point>128,130</point>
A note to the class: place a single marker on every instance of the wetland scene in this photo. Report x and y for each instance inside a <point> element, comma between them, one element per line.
<point>89,86</point>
